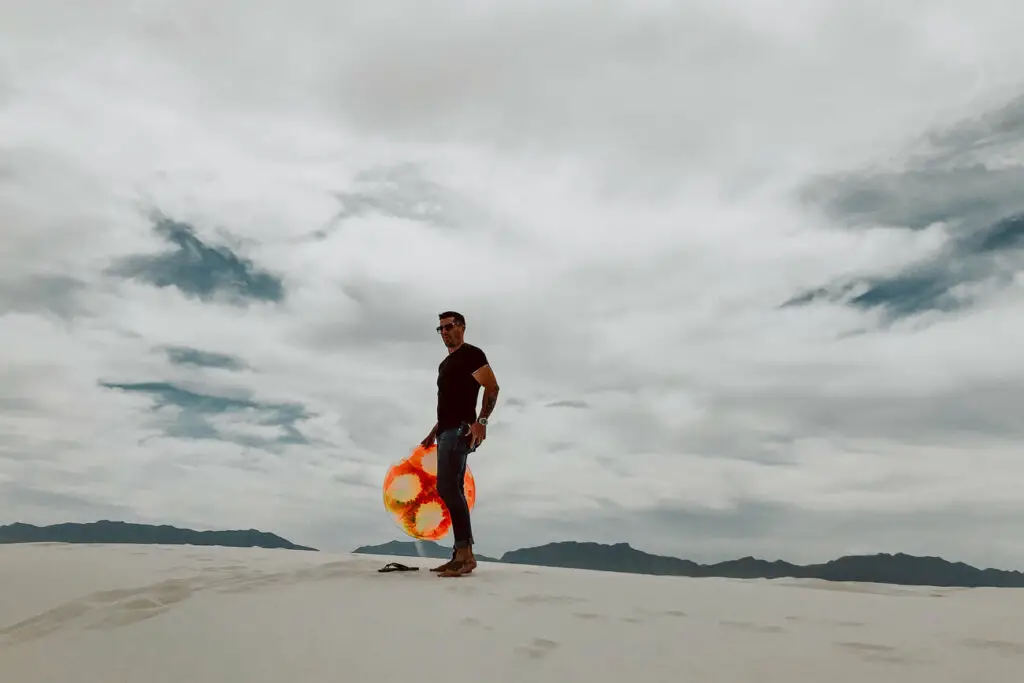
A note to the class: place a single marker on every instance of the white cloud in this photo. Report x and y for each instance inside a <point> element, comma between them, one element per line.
<point>611,193</point>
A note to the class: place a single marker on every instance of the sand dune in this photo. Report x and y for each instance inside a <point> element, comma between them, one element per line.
<point>183,614</point>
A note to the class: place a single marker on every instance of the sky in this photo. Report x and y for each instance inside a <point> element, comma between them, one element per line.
<point>749,274</point>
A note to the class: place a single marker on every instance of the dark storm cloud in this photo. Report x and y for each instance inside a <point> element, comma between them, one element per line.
<point>192,422</point>
<point>1005,235</point>
<point>989,255</point>
<point>183,355</point>
<point>948,182</point>
<point>199,270</point>
<point>966,197</point>
<point>981,206</point>
<point>996,129</point>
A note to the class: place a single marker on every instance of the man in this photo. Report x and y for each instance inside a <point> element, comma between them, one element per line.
<point>459,431</point>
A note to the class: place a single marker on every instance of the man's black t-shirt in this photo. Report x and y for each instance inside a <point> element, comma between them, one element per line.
<point>457,389</point>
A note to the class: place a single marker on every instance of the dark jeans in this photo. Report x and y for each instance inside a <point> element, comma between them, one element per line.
<point>452,451</point>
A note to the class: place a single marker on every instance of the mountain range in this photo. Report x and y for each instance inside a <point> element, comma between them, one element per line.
<point>899,568</point>
<point>105,531</point>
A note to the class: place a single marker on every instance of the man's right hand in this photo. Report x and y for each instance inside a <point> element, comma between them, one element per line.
<point>429,441</point>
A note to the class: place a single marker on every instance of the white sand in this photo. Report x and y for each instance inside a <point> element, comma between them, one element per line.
<point>183,614</point>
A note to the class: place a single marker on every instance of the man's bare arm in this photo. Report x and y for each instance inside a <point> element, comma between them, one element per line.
<point>485,376</point>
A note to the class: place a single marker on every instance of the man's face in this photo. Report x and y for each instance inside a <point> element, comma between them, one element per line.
<point>450,331</point>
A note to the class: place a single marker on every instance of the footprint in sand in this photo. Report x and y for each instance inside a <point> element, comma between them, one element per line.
<point>874,652</point>
<point>239,580</point>
<point>749,626</point>
<point>649,613</point>
<point>145,604</point>
<point>587,615</point>
<point>548,600</point>
<point>105,609</point>
<point>538,648</point>
<point>1004,647</point>
<point>473,622</point>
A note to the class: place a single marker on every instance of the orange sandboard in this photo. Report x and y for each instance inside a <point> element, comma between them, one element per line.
<point>410,495</point>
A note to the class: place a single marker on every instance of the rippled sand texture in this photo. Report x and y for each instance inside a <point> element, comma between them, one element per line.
<point>159,614</point>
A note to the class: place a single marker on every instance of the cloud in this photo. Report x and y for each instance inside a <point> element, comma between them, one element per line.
<point>965,269</point>
<point>263,425</point>
<point>568,404</point>
<point>956,189</point>
<point>52,294</point>
<point>180,355</point>
<point>401,192</point>
<point>749,276</point>
<point>198,269</point>
<point>971,206</point>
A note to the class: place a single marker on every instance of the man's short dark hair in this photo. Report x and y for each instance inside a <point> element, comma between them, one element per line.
<point>452,314</point>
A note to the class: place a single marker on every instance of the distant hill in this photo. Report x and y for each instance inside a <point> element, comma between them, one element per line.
<point>408,549</point>
<point>105,531</point>
<point>879,568</point>
<point>620,557</point>
<point>900,569</point>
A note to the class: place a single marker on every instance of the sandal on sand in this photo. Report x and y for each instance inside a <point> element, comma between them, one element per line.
<point>397,567</point>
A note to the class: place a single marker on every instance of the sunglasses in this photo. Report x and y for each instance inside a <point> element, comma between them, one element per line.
<point>446,327</point>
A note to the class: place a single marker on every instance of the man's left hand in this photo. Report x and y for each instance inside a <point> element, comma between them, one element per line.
<point>477,433</point>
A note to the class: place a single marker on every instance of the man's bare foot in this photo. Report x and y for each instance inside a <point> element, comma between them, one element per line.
<point>442,567</point>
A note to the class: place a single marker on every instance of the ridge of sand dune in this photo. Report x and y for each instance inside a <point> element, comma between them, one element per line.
<point>162,614</point>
